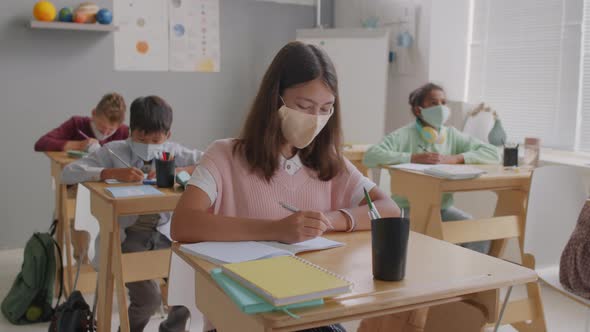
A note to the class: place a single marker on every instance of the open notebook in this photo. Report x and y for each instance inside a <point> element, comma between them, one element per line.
<point>235,252</point>
<point>451,172</point>
<point>287,280</point>
<point>133,191</point>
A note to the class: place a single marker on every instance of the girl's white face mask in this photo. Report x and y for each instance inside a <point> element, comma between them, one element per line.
<point>300,128</point>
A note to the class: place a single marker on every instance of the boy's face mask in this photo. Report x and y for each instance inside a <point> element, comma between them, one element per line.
<point>148,151</point>
<point>99,134</point>
<point>145,151</point>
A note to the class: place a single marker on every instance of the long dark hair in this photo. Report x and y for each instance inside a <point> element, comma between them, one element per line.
<point>261,138</point>
<point>417,96</point>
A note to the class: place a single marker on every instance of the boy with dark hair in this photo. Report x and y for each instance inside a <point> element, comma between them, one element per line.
<point>151,120</point>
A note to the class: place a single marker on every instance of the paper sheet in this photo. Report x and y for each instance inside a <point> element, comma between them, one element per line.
<point>141,43</point>
<point>194,35</point>
<point>412,167</point>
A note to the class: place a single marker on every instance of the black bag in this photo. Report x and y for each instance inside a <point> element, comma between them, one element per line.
<point>74,315</point>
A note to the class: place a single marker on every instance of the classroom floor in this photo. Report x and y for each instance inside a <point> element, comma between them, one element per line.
<point>561,314</point>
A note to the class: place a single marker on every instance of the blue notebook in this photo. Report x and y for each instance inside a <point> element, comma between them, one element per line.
<point>249,302</point>
<point>133,191</point>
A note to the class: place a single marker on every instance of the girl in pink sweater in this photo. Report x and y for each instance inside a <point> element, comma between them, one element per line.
<point>289,151</point>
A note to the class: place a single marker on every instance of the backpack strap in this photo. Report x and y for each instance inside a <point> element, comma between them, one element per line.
<point>61,271</point>
<point>53,227</point>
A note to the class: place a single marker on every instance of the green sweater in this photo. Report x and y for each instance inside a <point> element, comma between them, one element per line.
<point>398,147</point>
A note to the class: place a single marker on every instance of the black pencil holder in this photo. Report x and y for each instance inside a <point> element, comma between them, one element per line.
<point>511,156</point>
<point>389,239</point>
<point>165,173</point>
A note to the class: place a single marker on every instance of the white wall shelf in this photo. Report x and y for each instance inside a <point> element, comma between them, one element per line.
<point>73,26</point>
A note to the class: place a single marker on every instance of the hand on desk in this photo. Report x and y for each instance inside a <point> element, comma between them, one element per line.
<point>80,145</point>
<point>426,158</point>
<point>436,158</point>
<point>122,174</point>
<point>301,226</point>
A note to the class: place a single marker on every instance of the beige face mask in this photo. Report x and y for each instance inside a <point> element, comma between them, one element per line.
<point>300,128</point>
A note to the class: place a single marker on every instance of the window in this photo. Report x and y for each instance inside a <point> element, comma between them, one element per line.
<point>525,63</point>
<point>583,128</point>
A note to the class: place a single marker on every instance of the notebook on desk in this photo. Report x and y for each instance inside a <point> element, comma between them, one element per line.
<point>133,191</point>
<point>454,172</point>
<point>451,172</point>
<point>248,301</point>
<point>287,280</point>
<point>235,252</point>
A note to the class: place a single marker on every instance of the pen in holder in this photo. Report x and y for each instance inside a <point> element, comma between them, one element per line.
<point>165,173</point>
<point>510,155</point>
<point>389,243</point>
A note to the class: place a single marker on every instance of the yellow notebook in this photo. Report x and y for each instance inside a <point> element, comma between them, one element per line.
<point>286,280</point>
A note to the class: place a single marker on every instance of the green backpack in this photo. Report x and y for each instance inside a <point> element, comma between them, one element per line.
<point>31,295</point>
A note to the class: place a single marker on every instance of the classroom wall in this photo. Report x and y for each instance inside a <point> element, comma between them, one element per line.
<point>48,76</point>
<point>348,14</point>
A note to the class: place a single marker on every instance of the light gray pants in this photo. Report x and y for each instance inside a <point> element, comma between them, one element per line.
<point>454,214</point>
<point>145,296</point>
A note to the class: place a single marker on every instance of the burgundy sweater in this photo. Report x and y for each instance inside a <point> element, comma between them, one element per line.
<point>68,131</point>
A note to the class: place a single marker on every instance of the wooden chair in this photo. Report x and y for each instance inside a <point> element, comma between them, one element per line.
<point>181,290</point>
<point>556,198</point>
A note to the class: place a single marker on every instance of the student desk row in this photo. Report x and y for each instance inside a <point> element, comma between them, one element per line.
<point>116,268</point>
<point>437,272</point>
<point>65,208</point>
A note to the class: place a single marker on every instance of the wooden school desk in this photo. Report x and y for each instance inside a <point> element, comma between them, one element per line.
<point>116,268</point>
<point>65,207</point>
<point>436,273</point>
<point>512,187</point>
<point>356,153</point>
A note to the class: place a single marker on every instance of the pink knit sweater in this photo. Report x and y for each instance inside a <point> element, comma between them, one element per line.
<point>241,193</point>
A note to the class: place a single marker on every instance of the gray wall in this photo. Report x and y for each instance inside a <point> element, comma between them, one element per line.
<point>48,76</point>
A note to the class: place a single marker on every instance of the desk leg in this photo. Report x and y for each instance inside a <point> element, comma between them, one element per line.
<point>537,323</point>
<point>425,218</point>
<point>510,203</point>
<point>59,234</point>
<point>67,244</point>
<point>119,281</point>
<point>105,279</point>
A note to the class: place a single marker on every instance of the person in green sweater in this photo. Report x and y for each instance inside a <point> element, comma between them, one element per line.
<point>428,141</point>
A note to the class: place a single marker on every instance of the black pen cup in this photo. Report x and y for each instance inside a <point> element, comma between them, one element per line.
<point>389,239</point>
<point>165,173</point>
<point>511,156</point>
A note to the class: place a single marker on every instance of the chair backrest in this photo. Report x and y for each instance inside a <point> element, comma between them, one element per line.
<point>181,290</point>
<point>556,198</point>
<point>84,220</point>
<point>479,125</point>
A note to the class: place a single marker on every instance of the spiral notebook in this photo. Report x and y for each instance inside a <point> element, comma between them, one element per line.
<point>249,302</point>
<point>287,280</point>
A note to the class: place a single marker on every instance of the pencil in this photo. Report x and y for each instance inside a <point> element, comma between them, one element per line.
<point>121,160</point>
<point>81,133</point>
<point>373,213</point>
<point>294,210</point>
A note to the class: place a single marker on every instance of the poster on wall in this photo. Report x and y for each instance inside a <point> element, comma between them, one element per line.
<point>194,35</point>
<point>141,43</point>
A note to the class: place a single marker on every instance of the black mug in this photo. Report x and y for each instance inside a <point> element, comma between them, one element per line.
<point>389,238</point>
<point>511,156</point>
<point>165,173</point>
